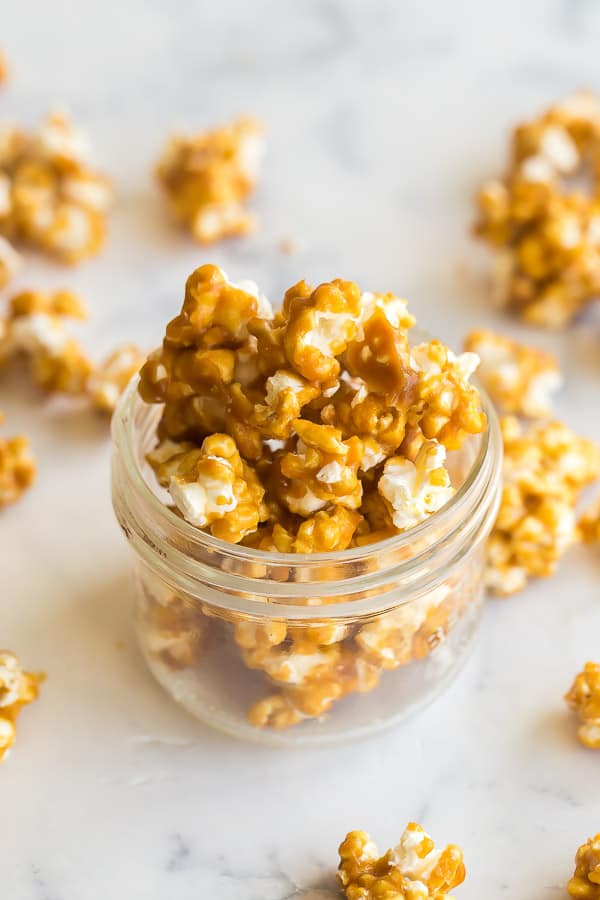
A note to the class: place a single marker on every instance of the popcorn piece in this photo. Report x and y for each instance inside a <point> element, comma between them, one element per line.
<point>286,395</point>
<point>49,196</point>
<point>589,524</point>
<point>519,378</point>
<point>546,231</point>
<point>17,468</point>
<point>193,372</point>
<point>34,328</point>
<point>585,883</point>
<point>584,699</point>
<point>414,870</point>
<point>108,381</point>
<point>208,176</point>
<point>17,689</point>
<point>388,639</point>
<point>448,407</point>
<point>176,632</point>
<point>413,491</point>
<point>324,532</point>
<point>321,469</point>
<point>545,468</point>
<point>4,68</point>
<point>322,679</point>
<point>320,325</point>
<point>214,487</point>
<point>10,260</point>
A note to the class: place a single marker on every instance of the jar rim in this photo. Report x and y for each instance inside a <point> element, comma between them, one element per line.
<point>123,433</point>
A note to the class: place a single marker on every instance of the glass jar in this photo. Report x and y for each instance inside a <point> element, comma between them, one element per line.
<point>296,649</point>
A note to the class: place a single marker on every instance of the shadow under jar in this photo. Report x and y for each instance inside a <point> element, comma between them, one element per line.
<point>296,649</point>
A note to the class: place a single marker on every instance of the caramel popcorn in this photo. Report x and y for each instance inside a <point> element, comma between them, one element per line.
<point>585,883</point>
<point>519,378</point>
<point>50,198</point>
<point>589,523</point>
<point>176,632</point>
<point>208,176</point>
<point>17,689</point>
<point>213,487</point>
<point>544,228</point>
<point>545,468</point>
<point>584,699</point>
<point>10,260</point>
<point>313,430</point>
<point>17,468</point>
<point>107,381</point>
<point>415,490</point>
<point>414,870</point>
<point>35,329</point>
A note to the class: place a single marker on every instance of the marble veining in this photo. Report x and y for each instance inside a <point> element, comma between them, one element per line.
<point>381,119</point>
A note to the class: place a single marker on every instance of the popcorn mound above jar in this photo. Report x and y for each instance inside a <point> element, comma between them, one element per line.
<point>308,430</point>
<point>316,429</point>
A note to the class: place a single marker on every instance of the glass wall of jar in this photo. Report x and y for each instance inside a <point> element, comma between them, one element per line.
<point>304,649</point>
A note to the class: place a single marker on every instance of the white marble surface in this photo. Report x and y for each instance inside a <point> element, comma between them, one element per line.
<point>382,116</point>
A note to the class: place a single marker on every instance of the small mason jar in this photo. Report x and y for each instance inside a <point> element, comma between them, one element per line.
<point>295,649</point>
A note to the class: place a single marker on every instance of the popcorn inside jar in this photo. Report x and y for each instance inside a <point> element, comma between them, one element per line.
<point>314,453</point>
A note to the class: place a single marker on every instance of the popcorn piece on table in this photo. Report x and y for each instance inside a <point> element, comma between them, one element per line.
<point>108,380</point>
<point>35,328</point>
<point>519,378</point>
<point>545,467</point>
<point>207,178</point>
<point>414,870</point>
<point>585,883</point>
<point>50,197</point>
<point>17,689</point>
<point>10,260</point>
<point>584,699</point>
<point>213,487</point>
<point>4,68</point>
<point>589,523</point>
<point>546,233</point>
<point>17,468</point>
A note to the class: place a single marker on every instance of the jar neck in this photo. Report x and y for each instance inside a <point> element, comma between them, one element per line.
<point>243,578</point>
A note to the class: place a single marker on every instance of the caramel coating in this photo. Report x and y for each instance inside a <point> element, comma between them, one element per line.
<point>589,523</point>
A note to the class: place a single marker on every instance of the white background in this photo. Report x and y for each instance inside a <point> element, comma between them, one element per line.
<point>382,117</point>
